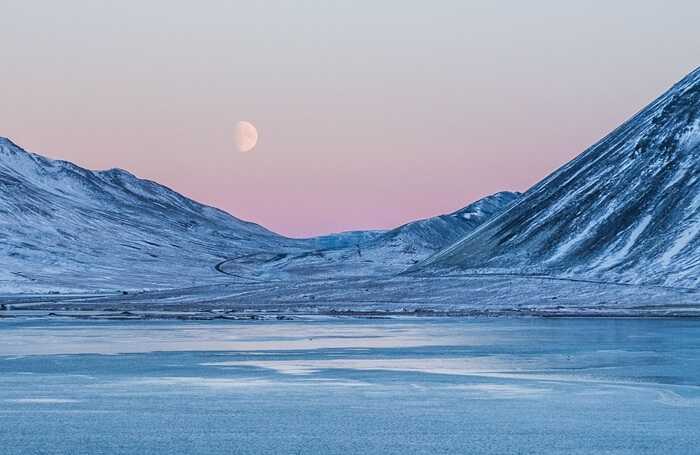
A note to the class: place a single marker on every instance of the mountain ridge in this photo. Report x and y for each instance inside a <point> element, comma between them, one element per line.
<point>66,227</point>
<point>79,228</point>
<point>112,175</point>
<point>627,209</point>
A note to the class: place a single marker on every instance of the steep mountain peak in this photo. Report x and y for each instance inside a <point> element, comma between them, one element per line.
<point>675,128</point>
<point>9,149</point>
<point>7,142</point>
<point>627,209</point>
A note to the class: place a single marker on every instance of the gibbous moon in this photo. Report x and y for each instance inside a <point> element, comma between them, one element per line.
<point>246,136</point>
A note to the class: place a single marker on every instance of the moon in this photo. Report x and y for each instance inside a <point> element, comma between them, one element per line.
<point>245,136</point>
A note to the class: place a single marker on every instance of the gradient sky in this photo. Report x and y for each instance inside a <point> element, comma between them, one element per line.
<point>370,113</point>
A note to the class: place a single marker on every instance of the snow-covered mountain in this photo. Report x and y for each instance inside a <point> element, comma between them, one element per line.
<point>433,234</point>
<point>627,209</point>
<point>371,253</point>
<point>62,226</point>
<point>424,236</point>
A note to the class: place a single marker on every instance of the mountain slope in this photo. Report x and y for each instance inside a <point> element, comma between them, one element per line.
<point>371,253</point>
<point>627,209</point>
<point>66,228</point>
<point>62,226</point>
<point>433,234</point>
<point>427,235</point>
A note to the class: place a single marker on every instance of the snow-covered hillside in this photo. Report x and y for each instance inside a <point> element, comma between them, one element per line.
<point>627,209</point>
<point>62,226</point>
<point>370,253</point>
<point>432,234</point>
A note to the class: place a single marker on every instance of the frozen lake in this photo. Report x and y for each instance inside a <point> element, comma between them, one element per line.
<point>346,386</point>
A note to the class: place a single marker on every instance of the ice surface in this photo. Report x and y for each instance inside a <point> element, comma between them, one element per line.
<point>487,386</point>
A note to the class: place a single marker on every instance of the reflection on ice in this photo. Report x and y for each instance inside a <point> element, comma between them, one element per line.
<point>41,400</point>
<point>671,398</point>
<point>229,383</point>
<point>55,337</point>
<point>454,366</point>
<point>476,391</point>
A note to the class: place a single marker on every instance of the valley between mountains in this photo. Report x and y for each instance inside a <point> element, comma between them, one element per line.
<point>616,231</point>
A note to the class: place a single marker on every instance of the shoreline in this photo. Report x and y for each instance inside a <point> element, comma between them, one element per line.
<point>223,315</point>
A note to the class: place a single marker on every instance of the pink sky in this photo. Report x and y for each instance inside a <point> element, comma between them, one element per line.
<point>370,114</point>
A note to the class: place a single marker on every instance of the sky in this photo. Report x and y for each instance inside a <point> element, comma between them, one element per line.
<point>370,113</point>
